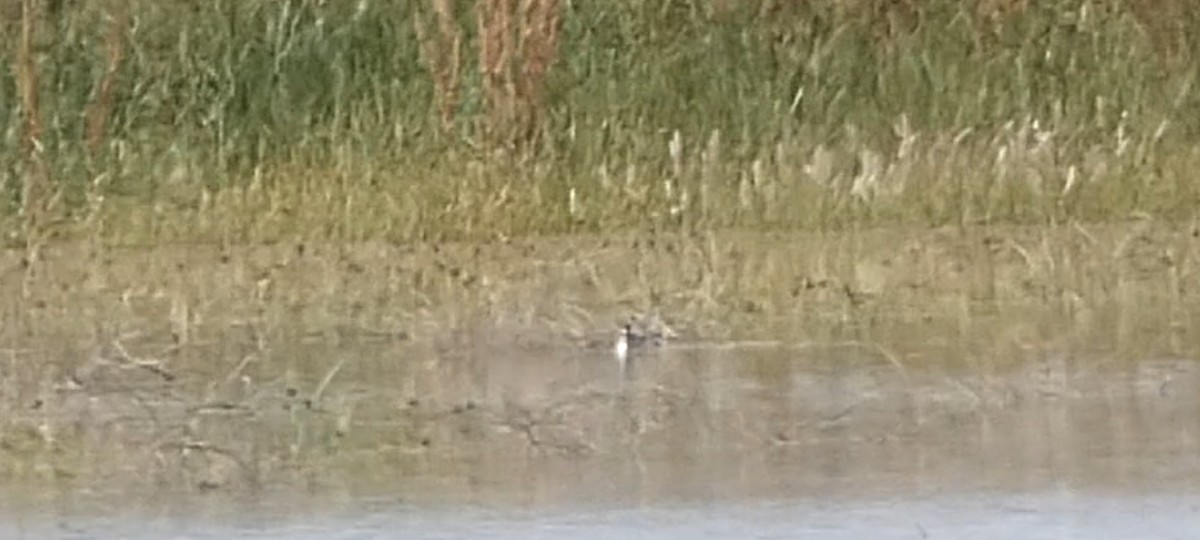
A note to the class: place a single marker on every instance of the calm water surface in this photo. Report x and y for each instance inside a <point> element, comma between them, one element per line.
<point>1050,515</point>
<point>828,442</point>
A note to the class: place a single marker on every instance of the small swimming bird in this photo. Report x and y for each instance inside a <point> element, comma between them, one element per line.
<point>632,338</point>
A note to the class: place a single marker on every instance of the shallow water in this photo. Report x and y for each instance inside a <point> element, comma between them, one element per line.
<point>1053,514</point>
<point>941,386</point>
<point>831,441</point>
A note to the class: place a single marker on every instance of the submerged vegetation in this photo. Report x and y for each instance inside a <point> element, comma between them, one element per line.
<point>255,121</point>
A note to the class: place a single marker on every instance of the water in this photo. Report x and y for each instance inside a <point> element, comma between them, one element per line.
<point>826,442</point>
<point>977,383</point>
<point>1060,514</point>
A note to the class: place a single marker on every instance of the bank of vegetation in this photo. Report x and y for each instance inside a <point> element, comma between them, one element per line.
<point>138,121</point>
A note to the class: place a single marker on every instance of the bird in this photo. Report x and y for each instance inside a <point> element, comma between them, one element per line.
<point>633,337</point>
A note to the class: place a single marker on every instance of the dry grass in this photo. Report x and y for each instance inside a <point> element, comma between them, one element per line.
<point>37,187</point>
<point>1168,25</point>
<point>518,42</point>
<point>442,53</point>
<point>100,110</point>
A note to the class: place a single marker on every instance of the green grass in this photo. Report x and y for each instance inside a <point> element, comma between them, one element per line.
<point>258,121</point>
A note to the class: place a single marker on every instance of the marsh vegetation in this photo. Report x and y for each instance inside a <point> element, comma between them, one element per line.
<point>260,242</point>
<point>261,121</point>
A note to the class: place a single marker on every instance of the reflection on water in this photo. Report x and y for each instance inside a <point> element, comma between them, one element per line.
<point>835,440</point>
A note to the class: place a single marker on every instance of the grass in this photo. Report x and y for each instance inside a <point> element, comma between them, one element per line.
<point>245,122</point>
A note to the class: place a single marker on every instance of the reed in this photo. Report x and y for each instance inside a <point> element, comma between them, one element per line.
<point>518,41</point>
<point>100,109</point>
<point>442,53</point>
<point>36,187</point>
<point>255,121</point>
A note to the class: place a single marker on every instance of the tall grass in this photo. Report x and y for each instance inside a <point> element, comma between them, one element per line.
<point>264,120</point>
<point>35,192</point>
